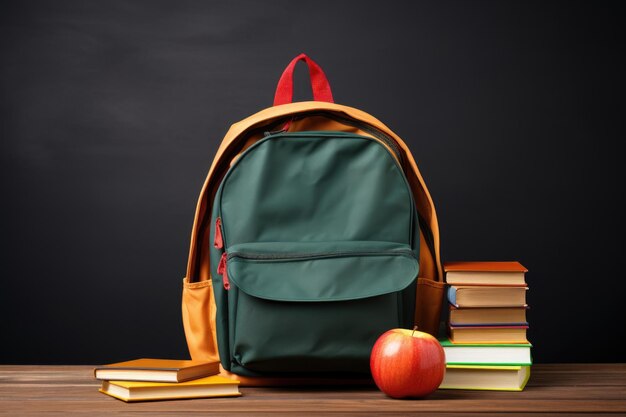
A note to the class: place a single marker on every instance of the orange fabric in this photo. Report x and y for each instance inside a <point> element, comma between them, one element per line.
<point>198,302</point>
<point>427,313</point>
<point>199,319</point>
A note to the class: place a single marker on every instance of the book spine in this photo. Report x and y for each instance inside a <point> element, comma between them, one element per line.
<point>452,296</point>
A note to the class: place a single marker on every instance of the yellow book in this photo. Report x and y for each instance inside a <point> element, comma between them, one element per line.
<point>157,370</point>
<point>212,386</point>
<point>493,378</point>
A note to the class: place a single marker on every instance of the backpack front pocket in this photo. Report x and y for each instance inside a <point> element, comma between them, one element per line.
<point>315,307</point>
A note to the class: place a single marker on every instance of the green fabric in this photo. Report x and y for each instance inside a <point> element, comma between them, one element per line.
<point>280,337</point>
<point>323,248</point>
<point>297,187</point>
<point>323,273</point>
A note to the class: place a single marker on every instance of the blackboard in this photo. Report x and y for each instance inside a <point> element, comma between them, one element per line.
<point>111,113</point>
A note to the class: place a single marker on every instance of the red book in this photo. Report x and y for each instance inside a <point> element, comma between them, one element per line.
<point>509,273</point>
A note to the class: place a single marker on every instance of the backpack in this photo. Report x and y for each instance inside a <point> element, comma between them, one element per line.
<point>314,233</point>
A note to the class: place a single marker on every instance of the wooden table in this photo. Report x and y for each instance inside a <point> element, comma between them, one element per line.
<point>585,389</point>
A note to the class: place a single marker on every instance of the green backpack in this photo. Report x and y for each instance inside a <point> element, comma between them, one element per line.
<point>315,243</point>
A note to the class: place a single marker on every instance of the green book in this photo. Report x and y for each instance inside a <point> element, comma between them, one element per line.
<point>486,354</point>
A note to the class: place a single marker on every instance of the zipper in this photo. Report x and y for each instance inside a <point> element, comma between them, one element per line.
<point>315,255</point>
<point>377,134</point>
<point>222,269</point>
<point>218,243</point>
<point>218,240</point>
<point>391,144</point>
<point>284,129</point>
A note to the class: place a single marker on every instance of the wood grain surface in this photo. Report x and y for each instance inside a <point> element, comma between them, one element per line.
<point>563,389</point>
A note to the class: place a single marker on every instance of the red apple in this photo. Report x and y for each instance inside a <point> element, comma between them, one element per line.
<point>407,363</point>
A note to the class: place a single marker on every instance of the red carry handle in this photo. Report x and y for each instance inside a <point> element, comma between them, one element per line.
<point>319,82</point>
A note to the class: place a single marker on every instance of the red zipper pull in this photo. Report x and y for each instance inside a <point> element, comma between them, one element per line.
<point>218,241</point>
<point>223,271</point>
<point>226,280</point>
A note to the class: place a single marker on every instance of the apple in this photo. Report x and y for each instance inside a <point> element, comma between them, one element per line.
<point>407,363</point>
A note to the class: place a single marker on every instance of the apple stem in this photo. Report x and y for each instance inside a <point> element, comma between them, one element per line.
<point>414,330</point>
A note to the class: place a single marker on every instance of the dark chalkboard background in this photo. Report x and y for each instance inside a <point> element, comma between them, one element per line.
<point>111,113</point>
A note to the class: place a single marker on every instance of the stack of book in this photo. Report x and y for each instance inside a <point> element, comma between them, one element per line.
<point>486,347</point>
<point>164,379</point>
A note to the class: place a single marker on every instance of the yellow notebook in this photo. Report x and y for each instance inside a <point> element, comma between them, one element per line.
<point>212,386</point>
<point>494,378</point>
<point>157,370</point>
